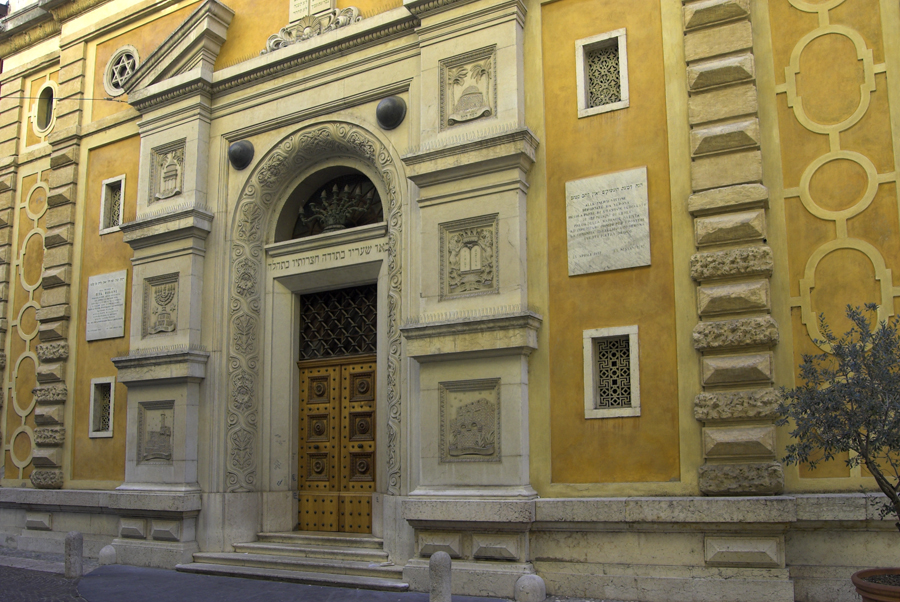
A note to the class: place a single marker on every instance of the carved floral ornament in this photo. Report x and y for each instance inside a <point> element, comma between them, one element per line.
<point>270,181</point>
<point>312,26</point>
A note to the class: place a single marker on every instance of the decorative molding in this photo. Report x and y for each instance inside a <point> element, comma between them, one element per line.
<point>269,180</point>
<point>312,26</point>
<point>486,334</point>
<point>469,261</point>
<point>470,420</point>
<point>474,74</point>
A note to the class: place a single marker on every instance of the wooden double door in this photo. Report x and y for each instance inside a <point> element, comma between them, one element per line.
<point>336,455</point>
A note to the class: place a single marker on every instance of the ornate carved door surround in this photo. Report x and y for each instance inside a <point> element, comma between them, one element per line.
<point>336,455</point>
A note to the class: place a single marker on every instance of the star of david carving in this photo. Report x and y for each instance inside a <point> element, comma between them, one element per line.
<point>122,69</point>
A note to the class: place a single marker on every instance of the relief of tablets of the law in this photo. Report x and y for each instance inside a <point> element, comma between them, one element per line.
<point>607,222</point>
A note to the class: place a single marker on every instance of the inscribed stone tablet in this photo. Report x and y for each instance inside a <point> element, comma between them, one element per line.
<point>303,8</point>
<point>106,306</point>
<point>607,222</point>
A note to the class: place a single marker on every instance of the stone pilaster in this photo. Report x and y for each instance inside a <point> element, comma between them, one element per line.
<point>735,334</point>
<point>53,316</point>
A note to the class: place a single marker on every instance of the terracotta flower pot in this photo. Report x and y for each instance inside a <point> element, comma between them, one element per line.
<point>874,592</point>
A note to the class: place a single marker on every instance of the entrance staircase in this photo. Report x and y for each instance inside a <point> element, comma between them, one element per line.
<point>314,558</point>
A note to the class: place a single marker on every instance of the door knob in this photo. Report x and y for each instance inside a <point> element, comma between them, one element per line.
<point>315,447</point>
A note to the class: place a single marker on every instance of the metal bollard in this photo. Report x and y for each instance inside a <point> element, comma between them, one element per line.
<point>74,555</point>
<point>439,572</point>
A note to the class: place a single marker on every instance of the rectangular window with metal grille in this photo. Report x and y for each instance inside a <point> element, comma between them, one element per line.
<point>102,406</point>
<point>111,204</point>
<point>602,73</point>
<point>611,372</point>
<point>338,323</point>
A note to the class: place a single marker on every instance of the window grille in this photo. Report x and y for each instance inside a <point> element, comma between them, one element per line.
<point>111,203</point>
<point>338,323</point>
<point>612,376</point>
<point>604,80</point>
<point>102,406</point>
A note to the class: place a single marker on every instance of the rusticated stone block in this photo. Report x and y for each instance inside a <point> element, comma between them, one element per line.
<point>38,521</point>
<point>54,312</point>
<point>64,156</point>
<point>133,528</point>
<point>61,235</point>
<point>720,72</point>
<point>749,261</point>
<point>60,216</point>
<point>49,414</point>
<point>733,298</point>
<point>58,295</point>
<point>741,479</point>
<point>745,551</point>
<point>735,442</point>
<point>430,543</point>
<point>727,39</point>
<point>53,352</point>
<point>165,530</point>
<point>47,457</point>
<point>742,332</point>
<point>2,360</point>
<point>58,256</point>
<point>699,14</point>
<point>50,436</point>
<point>53,331</point>
<point>63,176</point>
<point>51,373</point>
<point>5,253</point>
<point>58,276</point>
<point>726,170</point>
<point>726,137</point>
<point>730,228</point>
<point>737,369</point>
<point>62,195</point>
<point>758,404</point>
<point>723,103</point>
<point>47,479</point>
<point>6,216</point>
<point>731,198</point>
<point>50,394</point>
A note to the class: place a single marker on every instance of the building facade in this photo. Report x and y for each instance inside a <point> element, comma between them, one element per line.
<point>514,280</point>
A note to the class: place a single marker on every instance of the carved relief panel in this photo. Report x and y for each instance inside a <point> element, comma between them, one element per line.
<point>470,420</point>
<point>160,304</point>
<point>468,87</point>
<point>155,424</point>
<point>469,264</point>
<point>167,171</point>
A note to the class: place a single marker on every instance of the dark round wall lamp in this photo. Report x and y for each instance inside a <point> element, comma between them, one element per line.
<point>390,112</point>
<point>240,154</point>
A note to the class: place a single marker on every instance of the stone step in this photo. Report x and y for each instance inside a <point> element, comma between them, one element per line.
<point>291,549</point>
<point>292,576</point>
<point>293,563</point>
<point>320,538</point>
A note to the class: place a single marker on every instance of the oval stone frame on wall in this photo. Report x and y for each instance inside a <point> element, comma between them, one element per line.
<point>273,177</point>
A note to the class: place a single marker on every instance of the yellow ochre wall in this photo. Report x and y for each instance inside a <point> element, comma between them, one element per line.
<point>103,459</point>
<point>611,450</point>
<point>834,177</point>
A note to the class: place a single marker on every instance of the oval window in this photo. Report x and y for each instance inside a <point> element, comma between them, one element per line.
<point>45,103</point>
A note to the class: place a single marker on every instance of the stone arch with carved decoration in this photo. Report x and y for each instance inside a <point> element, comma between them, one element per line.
<point>257,206</point>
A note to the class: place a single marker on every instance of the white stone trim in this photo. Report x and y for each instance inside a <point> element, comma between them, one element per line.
<point>36,107</point>
<point>104,207</point>
<point>590,372</point>
<point>585,45</point>
<point>111,381</point>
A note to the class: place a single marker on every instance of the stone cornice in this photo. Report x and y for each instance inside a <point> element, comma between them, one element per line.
<point>39,22</point>
<point>424,8</point>
<point>162,504</point>
<point>473,335</point>
<point>152,366</point>
<point>166,226</point>
<point>361,34</point>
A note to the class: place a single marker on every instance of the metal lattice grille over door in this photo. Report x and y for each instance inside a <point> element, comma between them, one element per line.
<point>338,323</point>
<point>337,445</point>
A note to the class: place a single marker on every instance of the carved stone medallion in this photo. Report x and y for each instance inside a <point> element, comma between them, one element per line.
<point>167,171</point>
<point>160,304</point>
<point>470,420</point>
<point>468,86</point>
<point>468,259</point>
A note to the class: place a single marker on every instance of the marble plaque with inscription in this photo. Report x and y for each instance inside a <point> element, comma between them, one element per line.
<point>106,306</point>
<point>304,8</point>
<point>607,222</point>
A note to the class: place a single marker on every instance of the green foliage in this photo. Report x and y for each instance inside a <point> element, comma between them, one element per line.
<point>850,402</point>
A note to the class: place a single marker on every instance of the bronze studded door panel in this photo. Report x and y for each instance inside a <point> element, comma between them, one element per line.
<point>336,459</point>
